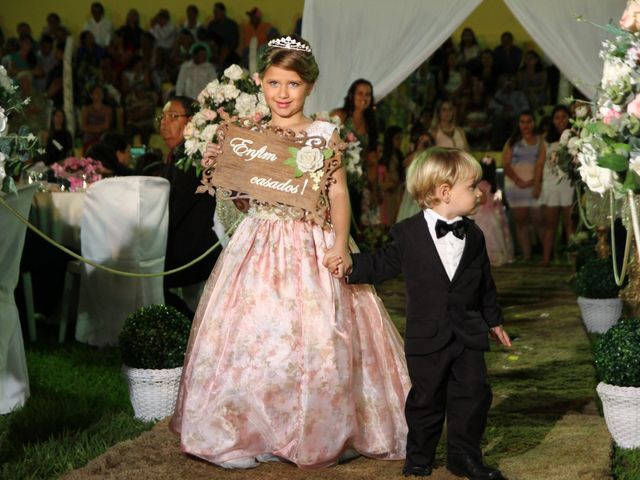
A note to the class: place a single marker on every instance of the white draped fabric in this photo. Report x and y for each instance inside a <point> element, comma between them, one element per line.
<point>14,378</point>
<point>385,41</point>
<point>573,46</point>
<point>380,40</point>
<point>124,226</point>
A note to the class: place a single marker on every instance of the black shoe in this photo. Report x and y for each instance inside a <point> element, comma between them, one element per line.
<point>410,470</point>
<point>467,466</point>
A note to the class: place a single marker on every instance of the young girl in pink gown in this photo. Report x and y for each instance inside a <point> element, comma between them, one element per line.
<point>491,217</point>
<point>285,361</point>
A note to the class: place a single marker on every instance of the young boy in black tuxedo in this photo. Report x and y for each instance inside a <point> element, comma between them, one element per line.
<point>451,308</point>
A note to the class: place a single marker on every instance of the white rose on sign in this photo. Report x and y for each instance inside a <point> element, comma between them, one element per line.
<point>234,72</point>
<point>309,159</point>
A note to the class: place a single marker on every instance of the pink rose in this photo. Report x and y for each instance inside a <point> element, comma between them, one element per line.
<point>629,20</point>
<point>634,107</point>
<point>208,114</point>
<point>609,115</point>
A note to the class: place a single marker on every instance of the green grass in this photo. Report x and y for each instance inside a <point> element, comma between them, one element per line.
<point>626,464</point>
<point>79,404</point>
<point>79,407</point>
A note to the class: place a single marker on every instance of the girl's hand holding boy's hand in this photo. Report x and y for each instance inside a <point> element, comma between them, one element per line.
<point>501,336</point>
<point>338,262</point>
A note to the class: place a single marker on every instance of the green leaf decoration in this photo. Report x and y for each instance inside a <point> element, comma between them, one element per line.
<point>327,153</point>
<point>293,151</point>
<point>613,161</point>
<point>291,161</point>
<point>632,182</point>
<point>622,147</point>
<point>298,173</point>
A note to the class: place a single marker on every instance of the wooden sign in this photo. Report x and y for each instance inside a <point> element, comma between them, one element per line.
<point>274,167</point>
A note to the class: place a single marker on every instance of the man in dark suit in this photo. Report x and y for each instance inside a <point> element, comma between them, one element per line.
<point>190,214</point>
<point>451,308</point>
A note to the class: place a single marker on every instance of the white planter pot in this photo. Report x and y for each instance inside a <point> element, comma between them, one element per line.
<point>153,393</point>
<point>600,314</point>
<point>622,413</point>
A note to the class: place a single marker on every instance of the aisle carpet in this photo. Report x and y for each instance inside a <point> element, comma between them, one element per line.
<point>544,423</point>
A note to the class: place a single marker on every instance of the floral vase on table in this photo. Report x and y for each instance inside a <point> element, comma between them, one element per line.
<point>78,171</point>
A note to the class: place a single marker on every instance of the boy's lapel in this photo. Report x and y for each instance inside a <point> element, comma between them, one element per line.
<point>470,249</point>
<point>431,252</point>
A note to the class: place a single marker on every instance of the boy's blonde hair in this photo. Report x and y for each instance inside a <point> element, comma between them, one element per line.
<point>437,166</point>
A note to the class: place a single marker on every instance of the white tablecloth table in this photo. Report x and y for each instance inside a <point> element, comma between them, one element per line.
<point>59,215</point>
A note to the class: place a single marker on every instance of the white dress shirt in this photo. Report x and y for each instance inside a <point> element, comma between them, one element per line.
<point>449,247</point>
<point>193,78</point>
<point>101,31</point>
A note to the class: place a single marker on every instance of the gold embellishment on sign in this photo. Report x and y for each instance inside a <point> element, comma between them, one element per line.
<point>280,171</point>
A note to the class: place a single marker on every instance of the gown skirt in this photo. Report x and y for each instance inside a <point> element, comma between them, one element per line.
<point>284,359</point>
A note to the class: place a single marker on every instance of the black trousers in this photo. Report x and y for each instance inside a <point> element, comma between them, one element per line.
<point>451,382</point>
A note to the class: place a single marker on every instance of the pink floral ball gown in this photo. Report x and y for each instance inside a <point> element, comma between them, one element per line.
<point>286,361</point>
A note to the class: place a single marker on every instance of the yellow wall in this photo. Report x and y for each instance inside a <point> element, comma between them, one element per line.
<point>489,20</point>
<point>280,13</point>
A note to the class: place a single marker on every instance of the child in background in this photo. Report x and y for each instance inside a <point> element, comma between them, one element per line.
<point>491,217</point>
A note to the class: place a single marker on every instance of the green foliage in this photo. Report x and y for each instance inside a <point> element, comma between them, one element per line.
<point>625,463</point>
<point>372,237</point>
<point>617,355</point>
<point>596,280</point>
<point>154,337</point>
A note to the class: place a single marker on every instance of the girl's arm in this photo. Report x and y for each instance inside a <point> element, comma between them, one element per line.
<point>340,215</point>
<point>507,155</point>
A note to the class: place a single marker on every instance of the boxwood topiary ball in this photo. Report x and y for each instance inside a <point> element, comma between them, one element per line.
<point>617,354</point>
<point>595,279</point>
<point>154,337</point>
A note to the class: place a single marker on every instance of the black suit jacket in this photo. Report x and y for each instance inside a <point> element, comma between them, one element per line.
<point>437,307</point>
<point>190,228</point>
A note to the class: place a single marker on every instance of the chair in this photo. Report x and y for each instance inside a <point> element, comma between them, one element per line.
<point>124,226</point>
<point>14,378</point>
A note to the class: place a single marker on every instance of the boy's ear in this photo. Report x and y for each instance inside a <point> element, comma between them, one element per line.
<point>444,192</point>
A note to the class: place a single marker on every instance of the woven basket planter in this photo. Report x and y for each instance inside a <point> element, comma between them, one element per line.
<point>599,314</point>
<point>153,393</point>
<point>622,413</point>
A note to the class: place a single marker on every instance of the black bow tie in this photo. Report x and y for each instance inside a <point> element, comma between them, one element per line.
<point>457,228</point>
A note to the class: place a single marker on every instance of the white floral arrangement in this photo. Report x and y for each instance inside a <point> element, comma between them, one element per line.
<point>352,155</point>
<point>234,94</point>
<point>606,147</point>
<point>16,149</point>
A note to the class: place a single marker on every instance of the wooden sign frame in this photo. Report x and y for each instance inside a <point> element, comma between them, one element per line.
<point>285,172</point>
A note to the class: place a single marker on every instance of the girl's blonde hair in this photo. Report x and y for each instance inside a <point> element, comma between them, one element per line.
<point>437,166</point>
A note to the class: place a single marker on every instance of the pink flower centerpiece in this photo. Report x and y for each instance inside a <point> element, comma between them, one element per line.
<point>80,171</point>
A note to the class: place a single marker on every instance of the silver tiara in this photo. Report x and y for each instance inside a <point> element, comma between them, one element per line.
<point>290,43</point>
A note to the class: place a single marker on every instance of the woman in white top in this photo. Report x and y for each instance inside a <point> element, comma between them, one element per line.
<point>552,186</point>
<point>445,131</point>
